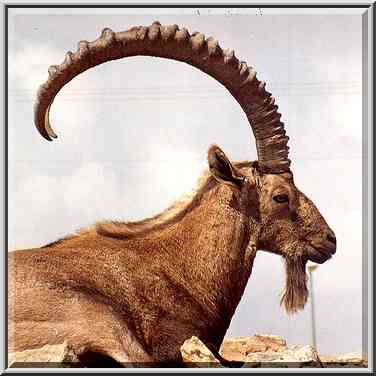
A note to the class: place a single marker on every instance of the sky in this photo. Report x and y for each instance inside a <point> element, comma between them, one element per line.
<point>134,134</point>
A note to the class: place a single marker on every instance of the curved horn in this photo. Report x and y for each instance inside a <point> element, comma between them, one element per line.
<point>177,44</point>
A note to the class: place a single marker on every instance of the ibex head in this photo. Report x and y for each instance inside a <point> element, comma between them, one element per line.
<point>286,221</point>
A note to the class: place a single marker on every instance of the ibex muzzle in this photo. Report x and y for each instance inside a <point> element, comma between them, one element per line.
<point>136,291</point>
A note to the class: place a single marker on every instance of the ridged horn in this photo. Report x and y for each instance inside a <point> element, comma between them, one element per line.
<point>177,44</point>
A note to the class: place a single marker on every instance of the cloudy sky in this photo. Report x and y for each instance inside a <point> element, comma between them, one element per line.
<point>126,127</point>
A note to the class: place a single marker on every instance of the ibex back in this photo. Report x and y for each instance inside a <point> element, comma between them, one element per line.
<point>136,291</point>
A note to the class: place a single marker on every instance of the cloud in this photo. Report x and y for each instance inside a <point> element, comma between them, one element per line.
<point>71,115</point>
<point>45,207</point>
<point>177,168</point>
<point>29,67</point>
<point>64,197</point>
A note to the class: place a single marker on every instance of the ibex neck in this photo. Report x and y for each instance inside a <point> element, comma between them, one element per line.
<point>218,248</point>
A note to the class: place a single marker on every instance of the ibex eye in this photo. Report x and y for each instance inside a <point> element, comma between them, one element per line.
<point>281,198</point>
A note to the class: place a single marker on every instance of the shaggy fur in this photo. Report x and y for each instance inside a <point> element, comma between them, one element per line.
<point>295,294</point>
<point>124,230</point>
<point>136,291</point>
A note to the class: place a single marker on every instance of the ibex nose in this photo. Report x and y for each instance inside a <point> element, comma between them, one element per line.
<point>330,237</point>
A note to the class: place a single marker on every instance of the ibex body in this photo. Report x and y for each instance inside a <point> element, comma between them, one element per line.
<point>136,291</point>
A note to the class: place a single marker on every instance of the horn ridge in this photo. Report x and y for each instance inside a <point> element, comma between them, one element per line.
<point>176,43</point>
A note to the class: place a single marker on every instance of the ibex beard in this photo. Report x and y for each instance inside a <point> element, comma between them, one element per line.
<point>291,226</point>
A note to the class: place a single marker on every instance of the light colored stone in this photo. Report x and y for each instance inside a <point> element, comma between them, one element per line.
<point>196,354</point>
<point>265,350</point>
<point>59,354</point>
<point>254,351</point>
<point>355,359</point>
<point>236,349</point>
<point>351,357</point>
<point>287,356</point>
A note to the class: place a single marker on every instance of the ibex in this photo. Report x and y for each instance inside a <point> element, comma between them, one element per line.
<point>135,291</point>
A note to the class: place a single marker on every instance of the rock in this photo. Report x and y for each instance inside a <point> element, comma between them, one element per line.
<point>255,351</point>
<point>237,349</point>
<point>354,359</point>
<point>247,352</point>
<point>287,356</point>
<point>272,351</point>
<point>60,355</point>
<point>196,354</point>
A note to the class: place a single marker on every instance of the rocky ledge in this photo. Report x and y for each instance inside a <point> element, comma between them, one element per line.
<point>266,351</point>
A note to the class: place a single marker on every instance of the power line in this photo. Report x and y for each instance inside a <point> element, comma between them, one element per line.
<point>177,96</point>
<point>189,89</point>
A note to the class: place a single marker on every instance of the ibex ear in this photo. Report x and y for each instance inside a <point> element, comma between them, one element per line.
<point>222,169</point>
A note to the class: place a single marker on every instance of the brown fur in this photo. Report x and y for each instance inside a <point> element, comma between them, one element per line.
<point>136,291</point>
<point>124,230</point>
